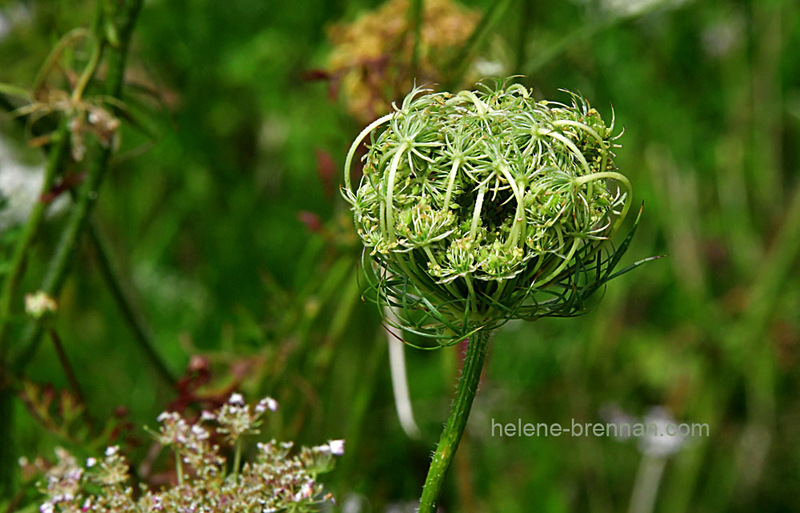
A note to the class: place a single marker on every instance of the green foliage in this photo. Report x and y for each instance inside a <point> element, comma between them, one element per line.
<point>200,213</point>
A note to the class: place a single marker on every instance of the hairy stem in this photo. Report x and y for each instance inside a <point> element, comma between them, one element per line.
<point>456,422</point>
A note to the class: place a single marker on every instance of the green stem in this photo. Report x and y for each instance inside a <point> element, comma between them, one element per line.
<point>138,326</point>
<point>69,371</point>
<point>415,18</point>
<point>179,466</point>
<point>237,458</point>
<point>8,463</point>
<point>645,488</point>
<point>456,422</point>
<point>122,21</point>
<point>8,450</point>
<point>55,164</point>
<point>348,163</point>
<point>460,64</point>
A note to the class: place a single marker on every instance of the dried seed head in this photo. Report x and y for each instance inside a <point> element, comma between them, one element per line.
<point>370,60</point>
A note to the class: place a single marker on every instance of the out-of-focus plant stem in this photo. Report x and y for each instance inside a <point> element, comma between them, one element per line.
<point>120,27</point>
<point>524,31</point>
<point>119,290</point>
<point>415,19</point>
<point>645,488</point>
<point>113,32</point>
<point>72,378</point>
<point>138,326</point>
<point>8,462</point>
<point>461,62</point>
<point>581,34</point>
<point>456,422</point>
<point>55,164</point>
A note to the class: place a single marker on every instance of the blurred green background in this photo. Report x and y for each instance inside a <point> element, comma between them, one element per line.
<point>228,228</point>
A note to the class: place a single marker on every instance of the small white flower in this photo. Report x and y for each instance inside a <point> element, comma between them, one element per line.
<point>236,399</point>
<point>112,450</point>
<point>39,304</point>
<point>199,432</point>
<point>337,447</point>
<point>91,462</point>
<point>207,416</point>
<point>664,440</point>
<point>47,507</point>
<point>268,403</point>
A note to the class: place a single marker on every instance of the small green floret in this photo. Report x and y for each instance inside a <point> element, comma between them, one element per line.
<point>486,206</point>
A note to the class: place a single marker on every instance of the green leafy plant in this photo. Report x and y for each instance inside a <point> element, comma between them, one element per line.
<point>482,207</point>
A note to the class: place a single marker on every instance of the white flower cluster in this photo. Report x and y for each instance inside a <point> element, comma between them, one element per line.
<point>279,479</point>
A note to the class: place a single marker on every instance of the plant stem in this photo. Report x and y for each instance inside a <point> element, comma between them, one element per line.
<point>237,458</point>
<point>8,464</point>
<point>179,466</point>
<point>11,283</point>
<point>415,18</point>
<point>645,489</point>
<point>72,379</point>
<point>141,331</point>
<point>460,64</point>
<point>456,422</point>
<point>122,21</point>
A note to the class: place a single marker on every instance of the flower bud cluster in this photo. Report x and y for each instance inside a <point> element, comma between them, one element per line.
<point>476,205</point>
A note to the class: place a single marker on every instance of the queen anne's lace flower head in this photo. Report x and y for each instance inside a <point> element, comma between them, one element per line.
<point>277,478</point>
<point>485,206</point>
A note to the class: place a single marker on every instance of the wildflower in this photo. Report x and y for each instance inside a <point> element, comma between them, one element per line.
<point>665,440</point>
<point>337,447</point>
<point>482,207</point>
<point>39,305</point>
<point>485,206</point>
<point>268,403</point>
<point>278,479</point>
